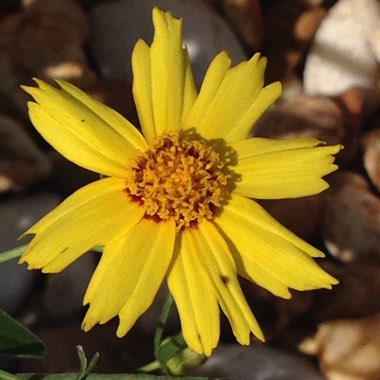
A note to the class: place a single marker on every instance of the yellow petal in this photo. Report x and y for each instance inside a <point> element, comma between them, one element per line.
<point>82,129</point>
<point>219,264</point>
<point>195,297</point>
<point>163,86</point>
<point>262,245</point>
<point>282,169</point>
<point>267,96</point>
<point>129,274</point>
<point>242,209</point>
<point>215,74</point>
<point>257,146</point>
<point>94,215</point>
<point>142,88</point>
<point>231,100</point>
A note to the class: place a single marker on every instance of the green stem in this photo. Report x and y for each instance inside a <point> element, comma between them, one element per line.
<point>155,365</point>
<point>18,251</point>
<point>150,367</point>
<point>12,253</point>
<point>162,321</point>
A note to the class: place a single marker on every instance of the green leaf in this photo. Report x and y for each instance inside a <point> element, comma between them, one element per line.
<point>17,340</point>
<point>85,369</point>
<point>8,376</point>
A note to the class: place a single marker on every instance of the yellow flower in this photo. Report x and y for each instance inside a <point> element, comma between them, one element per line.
<point>175,202</point>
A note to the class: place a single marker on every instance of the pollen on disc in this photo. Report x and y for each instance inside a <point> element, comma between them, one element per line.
<point>178,178</point>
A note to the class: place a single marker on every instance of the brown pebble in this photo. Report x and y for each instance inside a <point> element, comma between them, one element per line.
<point>115,94</point>
<point>22,164</point>
<point>351,220</point>
<point>371,155</point>
<point>332,120</point>
<point>356,295</point>
<point>45,40</point>
<point>246,16</point>
<point>289,30</point>
<point>301,215</point>
<point>302,116</point>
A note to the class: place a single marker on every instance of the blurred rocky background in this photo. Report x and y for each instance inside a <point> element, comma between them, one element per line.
<point>326,53</point>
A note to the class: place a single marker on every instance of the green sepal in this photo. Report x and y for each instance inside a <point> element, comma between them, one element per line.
<point>176,357</point>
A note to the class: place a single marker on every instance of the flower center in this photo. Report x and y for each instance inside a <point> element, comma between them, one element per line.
<point>178,178</point>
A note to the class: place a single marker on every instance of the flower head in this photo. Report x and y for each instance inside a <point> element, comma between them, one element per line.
<point>176,203</point>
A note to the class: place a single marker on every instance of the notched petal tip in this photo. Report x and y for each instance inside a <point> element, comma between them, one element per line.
<point>223,56</point>
<point>332,281</point>
<point>87,325</point>
<point>33,92</point>
<point>121,332</point>
<point>42,84</point>
<point>275,89</point>
<point>25,88</point>
<point>337,148</point>
<point>160,15</point>
<point>62,83</point>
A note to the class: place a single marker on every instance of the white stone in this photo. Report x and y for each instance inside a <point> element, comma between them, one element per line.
<point>345,52</point>
<point>116,26</point>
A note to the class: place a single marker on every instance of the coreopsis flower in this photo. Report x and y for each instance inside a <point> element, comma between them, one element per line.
<point>176,201</point>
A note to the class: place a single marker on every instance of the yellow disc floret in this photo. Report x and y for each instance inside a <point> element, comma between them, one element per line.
<point>178,178</point>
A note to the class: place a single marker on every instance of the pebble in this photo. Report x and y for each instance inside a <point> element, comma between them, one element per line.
<point>16,215</point>
<point>276,315</point>
<point>303,116</point>
<point>67,177</point>
<point>341,56</point>
<point>347,349</point>
<point>300,215</point>
<point>44,40</point>
<point>356,295</point>
<point>247,18</point>
<point>257,362</point>
<point>371,155</point>
<point>117,25</point>
<point>289,29</point>
<point>351,220</point>
<point>22,164</point>
<point>333,120</point>
<point>64,292</point>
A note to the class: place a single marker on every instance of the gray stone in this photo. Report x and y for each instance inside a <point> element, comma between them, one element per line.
<point>116,26</point>
<point>16,216</point>
<point>257,362</point>
<point>64,292</point>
